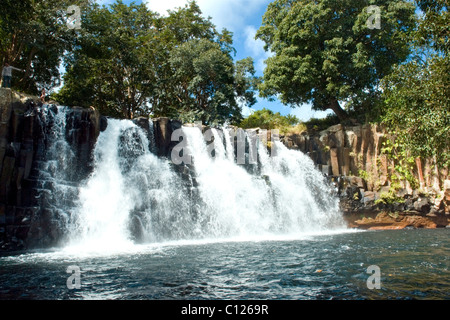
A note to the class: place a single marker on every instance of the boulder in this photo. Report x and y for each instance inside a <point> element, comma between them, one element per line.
<point>422,205</point>
<point>385,221</point>
<point>446,199</point>
<point>369,197</point>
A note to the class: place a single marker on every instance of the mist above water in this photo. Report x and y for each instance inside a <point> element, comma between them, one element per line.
<point>134,197</point>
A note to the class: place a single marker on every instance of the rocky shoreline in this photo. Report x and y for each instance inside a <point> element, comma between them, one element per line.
<point>369,211</point>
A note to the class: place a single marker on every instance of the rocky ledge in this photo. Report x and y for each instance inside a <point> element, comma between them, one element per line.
<point>401,220</point>
<point>26,187</point>
<point>371,210</point>
<point>373,195</point>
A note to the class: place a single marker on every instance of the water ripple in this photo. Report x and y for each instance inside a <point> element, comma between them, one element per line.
<point>414,265</point>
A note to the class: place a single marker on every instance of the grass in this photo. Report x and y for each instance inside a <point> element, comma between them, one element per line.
<point>291,130</point>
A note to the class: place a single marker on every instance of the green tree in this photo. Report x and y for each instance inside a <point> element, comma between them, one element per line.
<point>417,94</point>
<point>130,61</point>
<point>246,83</point>
<point>434,28</point>
<point>197,80</point>
<point>34,36</point>
<point>267,119</point>
<point>205,81</point>
<point>111,67</point>
<point>325,52</point>
<point>209,86</point>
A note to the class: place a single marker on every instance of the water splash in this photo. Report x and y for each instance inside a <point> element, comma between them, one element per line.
<point>132,196</point>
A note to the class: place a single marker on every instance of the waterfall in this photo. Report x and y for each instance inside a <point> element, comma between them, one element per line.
<point>105,201</point>
<point>288,196</point>
<point>133,196</point>
<point>56,188</point>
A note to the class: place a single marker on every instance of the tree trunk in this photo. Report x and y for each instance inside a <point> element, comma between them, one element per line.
<point>337,109</point>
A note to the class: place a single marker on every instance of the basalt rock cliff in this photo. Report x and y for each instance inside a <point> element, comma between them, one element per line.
<point>373,195</point>
<point>350,156</point>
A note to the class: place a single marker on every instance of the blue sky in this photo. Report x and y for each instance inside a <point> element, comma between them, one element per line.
<point>243,18</point>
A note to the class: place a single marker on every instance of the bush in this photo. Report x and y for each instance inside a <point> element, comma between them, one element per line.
<point>267,119</point>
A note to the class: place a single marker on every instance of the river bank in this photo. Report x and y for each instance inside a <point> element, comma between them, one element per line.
<point>370,210</point>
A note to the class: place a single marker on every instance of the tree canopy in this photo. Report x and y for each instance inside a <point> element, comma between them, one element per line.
<point>416,96</point>
<point>129,61</point>
<point>34,36</point>
<point>111,66</point>
<point>326,53</point>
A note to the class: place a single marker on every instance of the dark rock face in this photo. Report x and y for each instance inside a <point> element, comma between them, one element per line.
<point>28,217</point>
<point>163,129</point>
<point>159,133</point>
<point>37,143</point>
<point>82,129</point>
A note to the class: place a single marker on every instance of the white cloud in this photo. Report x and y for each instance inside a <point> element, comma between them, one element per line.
<point>305,112</point>
<point>237,16</point>
<point>255,47</point>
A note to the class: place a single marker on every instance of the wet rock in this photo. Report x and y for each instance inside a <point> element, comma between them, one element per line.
<point>446,198</point>
<point>136,227</point>
<point>131,148</point>
<point>163,135</point>
<point>143,123</point>
<point>25,130</point>
<point>386,221</point>
<point>422,205</point>
<point>103,123</point>
<point>163,129</point>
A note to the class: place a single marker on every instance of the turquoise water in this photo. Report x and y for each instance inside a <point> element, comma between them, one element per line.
<point>414,264</point>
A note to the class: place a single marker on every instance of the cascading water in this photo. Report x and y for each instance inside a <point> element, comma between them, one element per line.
<point>105,202</point>
<point>56,176</point>
<point>133,196</point>
<point>287,197</point>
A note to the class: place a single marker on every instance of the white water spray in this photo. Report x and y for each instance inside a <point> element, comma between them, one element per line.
<point>134,196</point>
